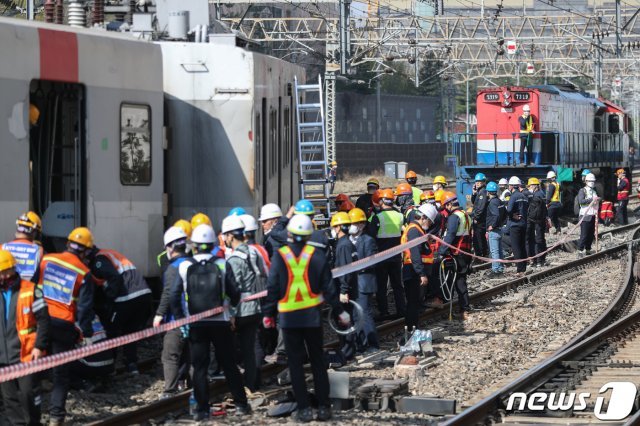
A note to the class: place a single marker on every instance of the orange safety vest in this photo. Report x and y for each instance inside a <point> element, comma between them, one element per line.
<point>406,255</point>
<point>298,295</point>
<point>606,210</point>
<point>61,275</point>
<point>26,322</point>
<point>624,193</point>
<point>119,262</point>
<point>263,253</point>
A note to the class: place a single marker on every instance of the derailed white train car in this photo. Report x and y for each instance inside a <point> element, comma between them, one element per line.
<point>231,116</point>
<point>94,155</point>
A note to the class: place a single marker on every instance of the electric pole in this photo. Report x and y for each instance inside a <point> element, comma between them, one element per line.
<point>618,36</point>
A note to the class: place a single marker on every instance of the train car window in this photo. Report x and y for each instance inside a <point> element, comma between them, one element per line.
<point>273,128</point>
<point>135,144</point>
<point>614,124</point>
<point>287,135</point>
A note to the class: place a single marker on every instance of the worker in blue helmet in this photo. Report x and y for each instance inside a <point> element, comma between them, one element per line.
<point>584,174</point>
<point>480,201</point>
<point>237,211</point>
<point>496,219</point>
<point>319,238</point>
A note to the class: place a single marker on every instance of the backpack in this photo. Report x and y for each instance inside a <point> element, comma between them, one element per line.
<point>537,209</point>
<point>205,286</point>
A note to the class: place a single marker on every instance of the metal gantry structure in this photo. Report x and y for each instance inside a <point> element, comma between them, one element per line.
<point>603,47</point>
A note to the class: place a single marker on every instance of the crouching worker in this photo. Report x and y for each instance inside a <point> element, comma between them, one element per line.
<point>299,281</point>
<point>25,334</point>
<point>202,286</point>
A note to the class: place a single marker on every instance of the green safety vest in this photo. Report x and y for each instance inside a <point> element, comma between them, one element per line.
<point>298,295</point>
<point>416,195</point>
<point>391,223</point>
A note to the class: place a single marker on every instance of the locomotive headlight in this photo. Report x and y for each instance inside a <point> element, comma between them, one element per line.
<point>506,95</point>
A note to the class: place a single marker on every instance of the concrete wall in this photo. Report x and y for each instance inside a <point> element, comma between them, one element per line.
<point>369,157</point>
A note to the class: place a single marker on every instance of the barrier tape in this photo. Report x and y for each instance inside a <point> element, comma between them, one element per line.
<point>50,361</point>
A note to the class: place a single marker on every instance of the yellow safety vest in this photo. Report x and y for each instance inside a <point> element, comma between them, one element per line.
<point>416,192</point>
<point>391,223</point>
<point>555,198</point>
<point>298,295</point>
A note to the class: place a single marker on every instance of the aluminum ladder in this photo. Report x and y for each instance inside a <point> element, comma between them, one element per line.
<point>312,146</point>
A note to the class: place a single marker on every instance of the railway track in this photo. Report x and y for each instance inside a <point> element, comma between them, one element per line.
<point>607,350</point>
<point>565,271</point>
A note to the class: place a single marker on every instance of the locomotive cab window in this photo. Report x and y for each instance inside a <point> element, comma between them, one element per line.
<point>135,144</point>
<point>614,124</point>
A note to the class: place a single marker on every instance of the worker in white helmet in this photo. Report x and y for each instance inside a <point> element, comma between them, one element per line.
<point>527,125</point>
<point>554,201</point>
<point>588,201</point>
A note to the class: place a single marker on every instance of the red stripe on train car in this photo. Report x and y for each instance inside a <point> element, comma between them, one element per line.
<point>58,55</point>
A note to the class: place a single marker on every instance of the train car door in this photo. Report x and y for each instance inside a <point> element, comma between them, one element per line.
<point>57,152</point>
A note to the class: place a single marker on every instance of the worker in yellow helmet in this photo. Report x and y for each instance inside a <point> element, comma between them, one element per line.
<point>333,175</point>
<point>25,330</point>
<point>68,288</point>
<point>536,222</point>
<point>439,182</point>
<point>25,247</point>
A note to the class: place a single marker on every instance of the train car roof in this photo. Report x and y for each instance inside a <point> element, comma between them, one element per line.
<point>87,56</point>
<point>611,107</point>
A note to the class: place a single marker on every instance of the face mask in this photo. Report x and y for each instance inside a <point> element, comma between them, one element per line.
<point>424,225</point>
<point>435,187</point>
<point>591,184</point>
<point>334,234</point>
<point>354,230</point>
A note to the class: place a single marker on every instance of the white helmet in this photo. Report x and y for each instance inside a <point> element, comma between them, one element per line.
<point>590,178</point>
<point>174,234</point>
<point>232,223</point>
<point>526,108</point>
<point>503,181</point>
<point>203,234</point>
<point>514,180</point>
<point>300,224</point>
<point>250,223</point>
<point>269,211</point>
<point>551,175</point>
<point>429,210</point>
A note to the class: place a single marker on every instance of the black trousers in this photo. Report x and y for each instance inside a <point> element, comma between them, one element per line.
<point>63,338</point>
<point>412,291</point>
<point>587,234</point>
<point>298,342</point>
<point>246,331</point>
<point>200,337</point>
<point>21,400</point>
<point>536,242</point>
<point>460,285</point>
<point>480,244</point>
<point>621,212</point>
<point>526,143</point>
<point>554,215</point>
<point>128,317</point>
<point>175,359</point>
<point>518,246</point>
<point>390,271</point>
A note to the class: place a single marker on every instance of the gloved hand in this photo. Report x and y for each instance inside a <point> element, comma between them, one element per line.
<point>268,322</point>
<point>85,341</point>
<point>185,331</point>
<point>344,319</point>
<point>344,298</point>
<point>157,320</point>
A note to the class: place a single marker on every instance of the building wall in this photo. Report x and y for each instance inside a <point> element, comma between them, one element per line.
<point>369,157</point>
<point>404,119</point>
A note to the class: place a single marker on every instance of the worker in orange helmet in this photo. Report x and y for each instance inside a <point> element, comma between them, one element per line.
<point>343,203</point>
<point>412,179</point>
<point>624,189</point>
<point>428,197</point>
<point>376,200</point>
<point>404,199</point>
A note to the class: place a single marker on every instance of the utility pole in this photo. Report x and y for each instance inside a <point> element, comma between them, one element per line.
<point>345,37</point>
<point>468,128</point>
<point>31,12</point>
<point>618,36</point>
